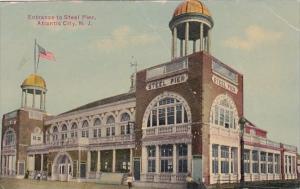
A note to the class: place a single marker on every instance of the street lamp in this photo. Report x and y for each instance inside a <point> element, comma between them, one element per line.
<point>242,123</point>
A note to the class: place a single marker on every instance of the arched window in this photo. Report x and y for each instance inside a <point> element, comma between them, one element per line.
<point>125,117</point>
<point>224,112</point>
<point>64,134</point>
<point>167,111</point>
<point>110,120</point>
<point>64,127</point>
<point>74,130</point>
<point>125,127</point>
<point>97,122</point>
<point>55,133</point>
<point>85,131</point>
<point>9,138</point>
<point>110,130</point>
<point>97,131</point>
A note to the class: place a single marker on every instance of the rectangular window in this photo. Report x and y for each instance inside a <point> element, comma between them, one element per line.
<point>270,163</point>
<point>216,115</point>
<point>182,167</point>
<point>179,114</point>
<point>108,131</point>
<point>227,119</point>
<point>154,118</point>
<point>122,129</point>
<point>247,161</point>
<point>151,165</point>
<point>170,115</point>
<point>113,131</point>
<point>166,165</point>
<point>224,159</point>
<point>93,160</point>
<point>254,155</point>
<point>151,151</point>
<point>95,134</point>
<point>166,150</point>
<point>255,167</point>
<point>276,163</point>
<point>99,133</point>
<point>161,117</point>
<point>221,116</point>
<point>215,162</point>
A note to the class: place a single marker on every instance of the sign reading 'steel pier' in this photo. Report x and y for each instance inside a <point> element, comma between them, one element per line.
<point>224,84</point>
<point>167,82</point>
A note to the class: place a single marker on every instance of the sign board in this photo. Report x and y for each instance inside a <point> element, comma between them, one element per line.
<point>224,84</point>
<point>167,82</point>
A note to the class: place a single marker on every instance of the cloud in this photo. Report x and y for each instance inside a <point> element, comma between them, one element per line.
<point>124,37</point>
<point>253,37</point>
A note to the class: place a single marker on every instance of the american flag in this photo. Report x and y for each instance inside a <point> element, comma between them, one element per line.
<point>45,54</point>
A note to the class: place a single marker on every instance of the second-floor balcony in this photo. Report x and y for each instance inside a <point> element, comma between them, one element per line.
<point>167,130</point>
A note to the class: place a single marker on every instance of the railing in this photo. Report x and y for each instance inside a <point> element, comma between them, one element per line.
<point>159,71</point>
<point>221,130</point>
<point>260,140</point>
<point>9,149</point>
<point>122,138</point>
<point>290,147</point>
<point>171,129</point>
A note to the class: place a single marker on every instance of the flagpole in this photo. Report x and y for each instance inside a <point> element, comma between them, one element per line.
<point>38,61</point>
<point>35,56</point>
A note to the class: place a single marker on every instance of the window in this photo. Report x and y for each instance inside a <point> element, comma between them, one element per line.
<point>223,112</point>
<point>55,133</point>
<point>168,111</point>
<point>215,162</point>
<point>263,166</point>
<point>276,161</point>
<point>110,130</point>
<point>74,130</point>
<point>97,133</point>
<point>110,120</point>
<point>85,131</point>
<point>182,158</point>
<point>234,160</point>
<point>10,138</point>
<point>125,117</point>
<point>64,130</point>
<point>151,158</point>
<point>224,159</point>
<point>247,161</point>
<point>270,163</point>
<point>255,165</point>
<point>166,162</point>
<point>97,122</point>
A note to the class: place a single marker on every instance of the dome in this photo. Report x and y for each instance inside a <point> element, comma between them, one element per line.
<point>34,80</point>
<point>191,6</point>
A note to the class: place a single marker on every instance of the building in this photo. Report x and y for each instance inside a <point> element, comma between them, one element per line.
<point>179,117</point>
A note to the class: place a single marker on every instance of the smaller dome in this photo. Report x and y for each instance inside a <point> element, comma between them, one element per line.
<point>191,6</point>
<point>34,80</point>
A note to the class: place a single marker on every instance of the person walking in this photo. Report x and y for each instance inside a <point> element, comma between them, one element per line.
<point>130,180</point>
<point>189,181</point>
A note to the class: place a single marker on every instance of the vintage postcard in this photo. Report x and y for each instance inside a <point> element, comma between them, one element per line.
<point>150,94</point>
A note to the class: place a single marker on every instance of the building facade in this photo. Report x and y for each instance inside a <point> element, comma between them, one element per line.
<point>179,117</point>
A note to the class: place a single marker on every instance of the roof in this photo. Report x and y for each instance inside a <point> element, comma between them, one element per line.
<point>34,80</point>
<point>104,101</point>
<point>191,6</point>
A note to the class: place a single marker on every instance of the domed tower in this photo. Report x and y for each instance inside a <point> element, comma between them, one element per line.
<point>191,24</point>
<point>34,92</point>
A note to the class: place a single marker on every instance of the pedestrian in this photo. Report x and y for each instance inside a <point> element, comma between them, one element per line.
<point>189,181</point>
<point>38,176</point>
<point>130,180</point>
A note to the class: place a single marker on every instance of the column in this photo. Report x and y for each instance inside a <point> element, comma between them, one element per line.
<point>88,162</point>
<point>131,160</point>
<point>186,38</point>
<point>33,99</point>
<point>22,100</point>
<point>42,161</point>
<point>157,162</point>
<point>25,98</point>
<point>181,47</point>
<point>98,161</point>
<point>114,161</point>
<point>250,164</point>
<point>41,100</point>
<point>79,160</point>
<point>44,101</point>
<point>209,40</point>
<point>175,42</point>
<point>174,158</point>
<point>194,46</point>
<point>201,37</point>
<point>189,158</point>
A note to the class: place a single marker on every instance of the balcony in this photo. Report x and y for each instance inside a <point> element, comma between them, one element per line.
<point>112,139</point>
<point>11,149</point>
<point>260,140</point>
<point>167,130</point>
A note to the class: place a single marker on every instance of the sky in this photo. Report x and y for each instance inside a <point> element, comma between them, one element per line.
<point>259,38</point>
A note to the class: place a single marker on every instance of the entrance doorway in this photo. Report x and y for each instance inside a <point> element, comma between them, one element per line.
<point>64,167</point>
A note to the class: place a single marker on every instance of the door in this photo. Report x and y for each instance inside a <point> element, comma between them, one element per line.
<point>82,170</point>
<point>197,169</point>
<point>137,168</point>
